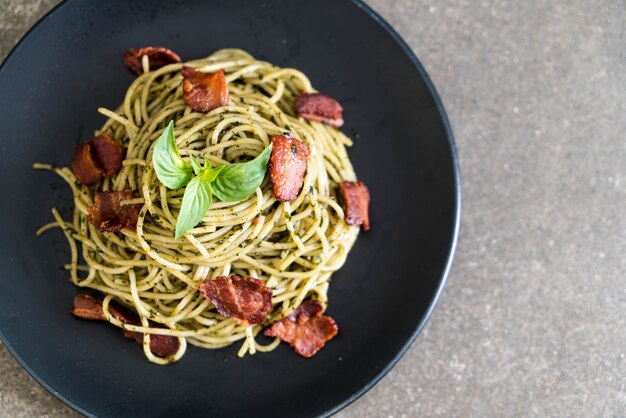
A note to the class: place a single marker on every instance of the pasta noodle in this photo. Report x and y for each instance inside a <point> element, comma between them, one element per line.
<point>294,247</point>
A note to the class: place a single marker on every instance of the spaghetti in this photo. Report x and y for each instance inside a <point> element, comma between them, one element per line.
<point>294,247</point>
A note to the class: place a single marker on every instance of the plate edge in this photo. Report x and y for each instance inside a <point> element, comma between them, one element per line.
<point>455,233</point>
<point>9,347</point>
<point>457,210</point>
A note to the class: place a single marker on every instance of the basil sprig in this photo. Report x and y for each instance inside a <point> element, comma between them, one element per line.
<point>237,181</point>
<point>196,202</point>
<point>230,183</point>
<point>171,169</point>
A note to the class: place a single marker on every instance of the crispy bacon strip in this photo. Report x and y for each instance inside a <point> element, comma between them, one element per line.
<point>204,92</point>
<point>99,157</point>
<point>356,200</point>
<point>306,329</point>
<point>84,165</point>
<point>320,107</point>
<point>245,300</point>
<point>157,57</point>
<point>108,215</point>
<point>107,153</point>
<point>88,307</point>
<point>287,166</point>
<point>161,345</point>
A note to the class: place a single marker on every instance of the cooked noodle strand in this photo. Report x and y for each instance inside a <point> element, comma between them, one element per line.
<point>294,247</point>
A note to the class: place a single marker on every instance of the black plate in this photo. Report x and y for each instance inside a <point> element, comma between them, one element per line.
<point>71,63</point>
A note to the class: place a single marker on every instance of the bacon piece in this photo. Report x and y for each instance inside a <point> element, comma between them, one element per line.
<point>305,329</point>
<point>84,166</point>
<point>204,92</point>
<point>157,57</point>
<point>161,345</point>
<point>356,200</point>
<point>99,157</point>
<point>88,307</point>
<point>108,154</point>
<point>245,300</point>
<point>287,166</point>
<point>320,107</point>
<point>108,215</point>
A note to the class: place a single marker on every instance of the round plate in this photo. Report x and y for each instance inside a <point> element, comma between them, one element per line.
<point>71,63</point>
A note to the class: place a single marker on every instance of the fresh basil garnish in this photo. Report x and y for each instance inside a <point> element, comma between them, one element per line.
<point>196,166</point>
<point>230,183</point>
<point>169,166</point>
<point>196,202</point>
<point>238,181</point>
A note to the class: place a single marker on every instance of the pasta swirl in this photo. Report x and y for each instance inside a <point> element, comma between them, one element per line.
<point>294,247</point>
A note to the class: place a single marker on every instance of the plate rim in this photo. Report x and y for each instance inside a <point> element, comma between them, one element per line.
<point>406,49</point>
<point>457,210</point>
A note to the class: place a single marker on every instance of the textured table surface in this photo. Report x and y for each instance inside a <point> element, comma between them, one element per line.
<point>532,321</point>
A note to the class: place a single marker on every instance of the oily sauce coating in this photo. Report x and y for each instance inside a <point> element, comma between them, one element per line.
<point>157,57</point>
<point>109,215</point>
<point>306,329</point>
<point>287,166</point>
<point>204,92</point>
<point>356,200</point>
<point>245,300</point>
<point>320,107</point>
<point>89,307</point>
<point>97,158</point>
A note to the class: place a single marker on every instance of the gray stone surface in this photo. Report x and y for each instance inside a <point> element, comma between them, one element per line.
<point>533,319</point>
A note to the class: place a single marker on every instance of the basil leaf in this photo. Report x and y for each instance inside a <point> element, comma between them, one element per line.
<point>170,168</point>
<point>196,202</point>
<point>212,174</point>
<point>237,181</point>
<point>195,165</point>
